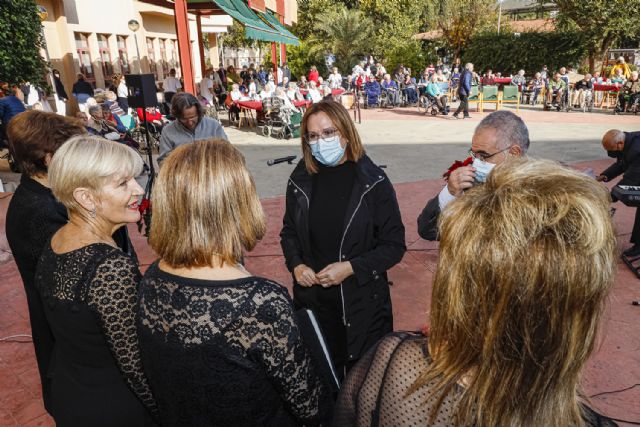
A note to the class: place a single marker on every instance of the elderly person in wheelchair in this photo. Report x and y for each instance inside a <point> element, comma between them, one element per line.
<point>532,90</point>
<point>629,94</point>
<point>434,94</point>
<point>556,90</point>
<point>410,90</point>
<point>390,87</point>
<point>372,92</point>
<point>582,92</point>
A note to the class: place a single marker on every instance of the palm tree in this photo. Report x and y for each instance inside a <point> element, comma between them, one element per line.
<point>346,33</point>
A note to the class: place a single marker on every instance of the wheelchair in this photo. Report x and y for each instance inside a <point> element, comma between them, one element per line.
<point>632,104</point>
<point>138,134</point>
<point>428,105</point>
<point>390,98</point>
<point>377,100</point>
<point>588,102</point>
<point>277,119</point>
<point>563,105</point>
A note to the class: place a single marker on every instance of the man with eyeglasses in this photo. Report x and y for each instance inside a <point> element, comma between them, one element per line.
<point>190,125</point>
<point>498,137</point>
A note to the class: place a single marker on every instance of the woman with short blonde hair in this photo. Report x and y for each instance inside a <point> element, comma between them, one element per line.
<point>89,288</point>
<point>210,224</point>
<point>341,233</point>
<point>524,270</point>
<point>220,346</point>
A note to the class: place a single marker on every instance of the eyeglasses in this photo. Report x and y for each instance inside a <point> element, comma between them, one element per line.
<point>313,137</point>
<point>485,156</point>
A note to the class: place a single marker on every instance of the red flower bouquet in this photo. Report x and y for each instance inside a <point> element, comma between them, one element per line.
<point>457,164</point>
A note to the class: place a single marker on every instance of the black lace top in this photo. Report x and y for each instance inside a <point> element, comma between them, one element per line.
<point>374,392</point>
<point>90,297</point>
<point>227,353</point>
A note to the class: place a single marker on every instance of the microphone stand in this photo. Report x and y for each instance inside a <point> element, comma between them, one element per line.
<point>146,213</point>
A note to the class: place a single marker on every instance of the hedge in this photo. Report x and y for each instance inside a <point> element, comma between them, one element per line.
<point>529,51</point>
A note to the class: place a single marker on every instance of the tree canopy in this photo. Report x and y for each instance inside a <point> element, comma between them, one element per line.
<point>460,20</point>
<point>345,33</point>
<point>20,43</point>
<point>601,22</point>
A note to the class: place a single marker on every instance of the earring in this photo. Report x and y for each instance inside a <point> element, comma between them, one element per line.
<point>92,213</point>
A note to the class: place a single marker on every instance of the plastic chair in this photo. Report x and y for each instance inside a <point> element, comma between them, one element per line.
<point>476,96</point>
<point>490,96</point>
<point>511,95</point>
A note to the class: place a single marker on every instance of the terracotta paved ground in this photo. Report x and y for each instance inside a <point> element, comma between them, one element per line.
<point>615,364</point>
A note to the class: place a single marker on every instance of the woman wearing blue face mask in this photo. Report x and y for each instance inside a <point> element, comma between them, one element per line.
<point>341,232</point>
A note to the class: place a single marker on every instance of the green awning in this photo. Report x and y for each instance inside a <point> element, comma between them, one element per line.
<point>275,23</point>
<point>254,27</point>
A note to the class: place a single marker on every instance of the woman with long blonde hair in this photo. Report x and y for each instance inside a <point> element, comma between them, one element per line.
<point>526,262</point>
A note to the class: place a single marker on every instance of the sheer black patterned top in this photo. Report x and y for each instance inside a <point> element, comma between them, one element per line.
<point>227,353</point>
<point>374,393</point>
<point>90,298</point>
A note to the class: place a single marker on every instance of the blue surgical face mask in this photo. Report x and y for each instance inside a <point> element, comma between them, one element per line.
<point>482,169</point>
<point>329,152</point>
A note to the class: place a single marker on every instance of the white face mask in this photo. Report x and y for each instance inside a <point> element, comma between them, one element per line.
<point>482,169</point>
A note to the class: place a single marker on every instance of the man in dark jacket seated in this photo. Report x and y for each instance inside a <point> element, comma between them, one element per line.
<point>625,148</point>
<point>497,137</point>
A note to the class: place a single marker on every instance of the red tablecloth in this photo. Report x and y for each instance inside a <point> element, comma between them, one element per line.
<point>301,103</point>
<point>252,105</point>
<point>605,88</point>
<point>336,92</point>
<point>502,80</point>
<point>257,105</point>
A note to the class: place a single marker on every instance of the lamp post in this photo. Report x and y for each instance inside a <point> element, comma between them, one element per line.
<point>499,14</point>
<point>135,26</point>
<point>43,14</point>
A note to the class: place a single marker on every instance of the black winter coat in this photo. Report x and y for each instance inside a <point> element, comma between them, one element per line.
<point>373,241</point>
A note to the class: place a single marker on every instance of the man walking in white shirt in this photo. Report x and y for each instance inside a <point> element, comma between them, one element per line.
<point>170,85</point>
<point>206,87</point>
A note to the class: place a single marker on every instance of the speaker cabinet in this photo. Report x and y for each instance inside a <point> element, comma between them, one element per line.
<point>142,90</point>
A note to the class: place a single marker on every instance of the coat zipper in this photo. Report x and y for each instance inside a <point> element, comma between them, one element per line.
<point>344,313</point>
<point>303,193</point>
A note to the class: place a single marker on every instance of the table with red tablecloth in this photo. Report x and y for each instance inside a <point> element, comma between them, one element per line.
<point>303,103</point>
<point>247,108</point>
<point>502,80</point>
<point>250,105</point>
<point>605,88</point>
<point>257,105</point>
<point>609,98</point>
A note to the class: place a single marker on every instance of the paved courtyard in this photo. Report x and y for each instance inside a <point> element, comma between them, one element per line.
<point>416,150</point>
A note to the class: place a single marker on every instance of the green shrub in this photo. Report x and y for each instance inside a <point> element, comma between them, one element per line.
<point>529,51</point>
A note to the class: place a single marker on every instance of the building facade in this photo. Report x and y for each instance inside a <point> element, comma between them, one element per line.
<point>92,37</point>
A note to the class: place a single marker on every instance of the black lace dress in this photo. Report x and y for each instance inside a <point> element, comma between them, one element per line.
<point>90,296</point>
<point>227,353</point>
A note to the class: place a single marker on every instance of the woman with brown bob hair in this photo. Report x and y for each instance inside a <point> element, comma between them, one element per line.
<point>342,231</point>
<point>220,346</point>
<point>524,271</point>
